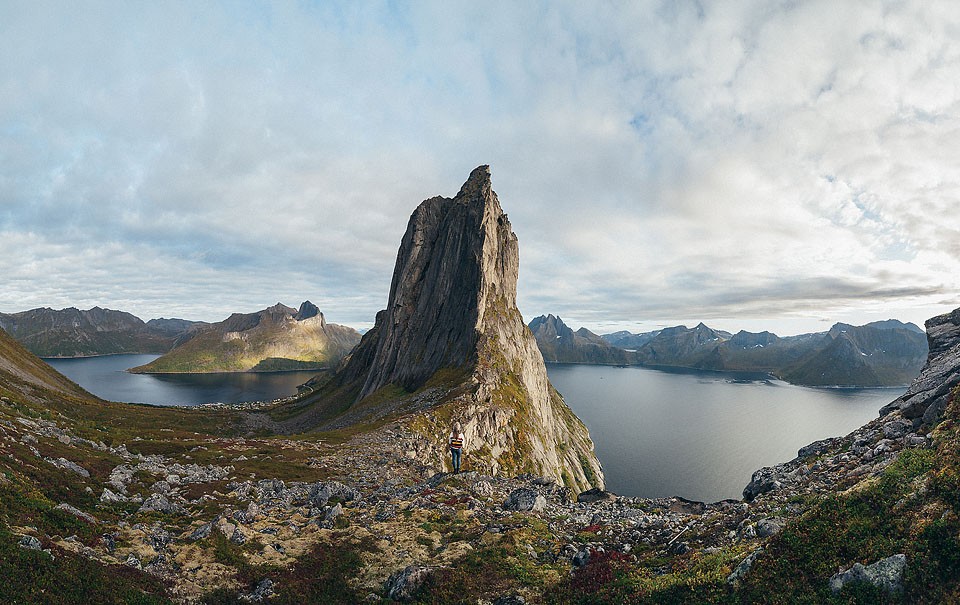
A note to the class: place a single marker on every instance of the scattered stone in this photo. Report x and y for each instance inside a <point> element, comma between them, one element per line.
<point>896,428</point>
<point>29,542</point>
<point>762,481</point>
<point>334,512</point>
<point>133,561</point>
<point>201,532</point>
<point>403,585</point>
<point>737,575</point>
<point>596,495</point>
<point>581,558</point>
<point>886,574</point>
<point>159,503</point>
<point>525,499</point>
<point>76,512</point>
<point>770,527</point>
<point>67,465</point>
<point>109,542</point>
<point>263,590</point>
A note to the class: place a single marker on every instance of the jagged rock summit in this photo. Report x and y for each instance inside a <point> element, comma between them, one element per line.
<point>452,346</point>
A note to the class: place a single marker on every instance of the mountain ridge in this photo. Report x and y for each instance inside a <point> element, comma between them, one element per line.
<point>243,341</point>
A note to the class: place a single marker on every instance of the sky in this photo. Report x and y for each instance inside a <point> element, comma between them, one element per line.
<point>753,165</point>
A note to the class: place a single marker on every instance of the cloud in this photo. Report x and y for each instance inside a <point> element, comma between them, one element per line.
<point>658,161</point>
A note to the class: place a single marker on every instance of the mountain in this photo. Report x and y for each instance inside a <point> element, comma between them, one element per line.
<point>452,346</point>
<point>558,343</point>
<point>75,333</point>
<point>887,353</point>
<point>276,338</point>
<point>626,340</point>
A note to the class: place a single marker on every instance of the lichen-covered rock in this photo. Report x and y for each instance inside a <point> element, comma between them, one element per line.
<point>525,499</point>
<point>886,574</point>
<point>737,575</point>
<point>403,585</point>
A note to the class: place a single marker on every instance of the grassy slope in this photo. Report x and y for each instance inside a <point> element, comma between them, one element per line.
<point>209,351</point>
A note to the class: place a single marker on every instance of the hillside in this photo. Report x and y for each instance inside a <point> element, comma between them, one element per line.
<point>273,339</point>
<point>75,333</point>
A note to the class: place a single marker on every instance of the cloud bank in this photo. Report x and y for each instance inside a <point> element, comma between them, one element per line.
<point>751,164</point>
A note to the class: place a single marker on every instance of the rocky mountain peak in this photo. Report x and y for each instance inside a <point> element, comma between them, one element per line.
<point>452,325</point>
<point>307,310</point>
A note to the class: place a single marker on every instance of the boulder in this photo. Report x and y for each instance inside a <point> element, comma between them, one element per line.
<point>596,495</point>
<point>737,575</point>
<point>896,428</point>
<point>403,585</point>
<point>762,481</point>
<point>886,574</point>
<point>525,499</point>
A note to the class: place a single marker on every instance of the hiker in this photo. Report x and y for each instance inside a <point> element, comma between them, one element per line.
<point>456,444</point>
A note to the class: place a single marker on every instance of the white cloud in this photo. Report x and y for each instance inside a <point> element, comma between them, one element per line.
<point>659,161</point>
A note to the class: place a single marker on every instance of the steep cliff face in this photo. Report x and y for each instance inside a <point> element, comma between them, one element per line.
<point>452,346</point>
<point>929,393</point>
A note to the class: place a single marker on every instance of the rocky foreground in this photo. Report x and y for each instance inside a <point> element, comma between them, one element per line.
<point>210,520</point>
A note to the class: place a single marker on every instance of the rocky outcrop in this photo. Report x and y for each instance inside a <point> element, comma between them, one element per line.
<point>274,339</point>
<point>929,394</point>
<point>560,344</point>
<point>452,346</point>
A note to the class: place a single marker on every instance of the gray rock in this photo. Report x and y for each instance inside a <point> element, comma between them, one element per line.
<point>321,493</point>
<point>403,585</point>
<point>29,542</point>
<point>525,499</point>
<point>737,575</point>
<point>201,532</point>
<point>76,512</point>
<point>133,561</point>
<point>513,599</point>
<point>762,481</point>
<point>159,503</point>
<point>596,495</point>
<point>109,542</point>
<point>334,512</point>
<point>928,394</point>
<point>770,527</point>
<point>263,590</point>
<point>109,497</point>
<point>816,448</point>
<point>886,574</point>
<point>581,558</point>
<point>896,428</point>
<point>67,465</point>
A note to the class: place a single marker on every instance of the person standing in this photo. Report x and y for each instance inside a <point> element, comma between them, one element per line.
<point>456,445</point>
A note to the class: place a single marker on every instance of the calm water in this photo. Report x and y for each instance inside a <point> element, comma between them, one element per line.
<point>701,436</point>
<point>106,377</point>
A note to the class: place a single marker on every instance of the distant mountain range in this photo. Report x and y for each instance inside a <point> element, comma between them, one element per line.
<point>72,332</point>
<point>274,339</point>
<point>887,353</point>
<point>559,343</point>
